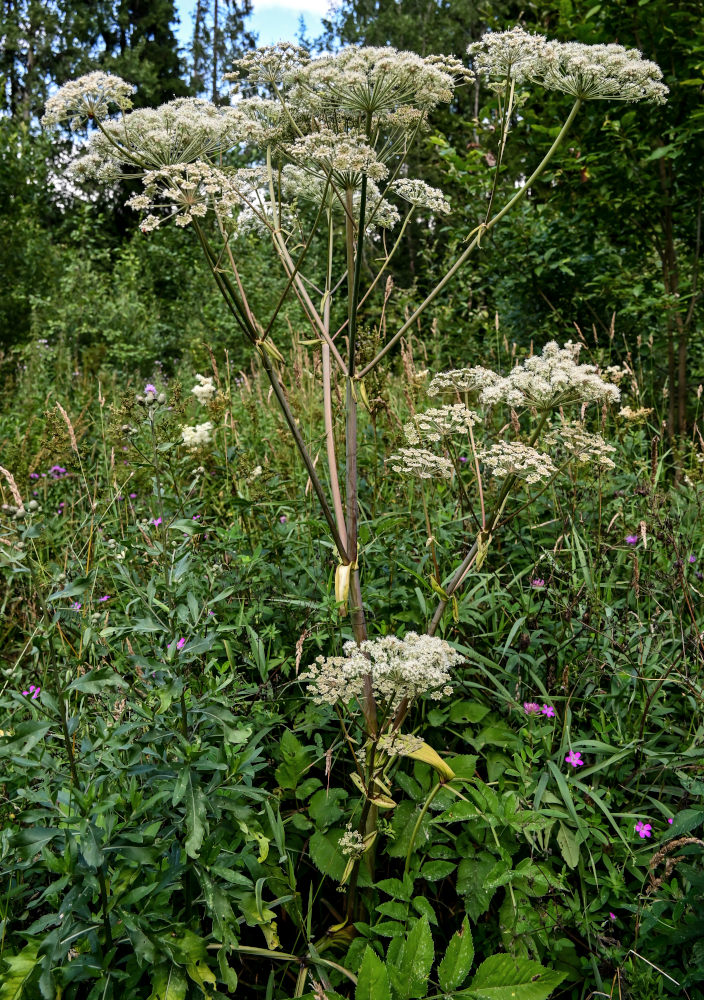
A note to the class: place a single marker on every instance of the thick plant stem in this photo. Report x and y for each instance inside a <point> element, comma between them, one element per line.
<point>483,229</point>
<point>232,300</point>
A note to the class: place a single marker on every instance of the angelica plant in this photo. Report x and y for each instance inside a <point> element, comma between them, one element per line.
<point>329,140</point>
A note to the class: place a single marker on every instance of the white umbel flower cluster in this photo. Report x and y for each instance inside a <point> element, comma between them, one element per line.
<point>421,464</point>
<point>421,195</point>
<point>271,64</point>
<point>548,380</point>
<point>198,436</point>
<point>351,844</point>
<point>585,447</point>
<point>89,97</point>
<point>205,390</point>
<point>346,155</point>
<point>587,72</point>
<point>460,380</point>
<point>399,744</point>
<point>440,422</point>
<point>512,55</point>
<point>511,458</point>
<point>376,81</point>
<point>399,668</point>
<point>601,72</point>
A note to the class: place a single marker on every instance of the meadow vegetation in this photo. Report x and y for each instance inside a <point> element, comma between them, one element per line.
<point>343,657</point>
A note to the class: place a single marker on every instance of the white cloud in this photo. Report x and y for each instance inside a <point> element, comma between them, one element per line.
<point>318,7</point>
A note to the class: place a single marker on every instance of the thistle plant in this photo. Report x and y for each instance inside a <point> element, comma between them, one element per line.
<point>328,141</point>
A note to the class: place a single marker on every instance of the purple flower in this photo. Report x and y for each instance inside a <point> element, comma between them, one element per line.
<point>34,691</point>
<point>196,517</point>
<point>531,708</point>
<point>133,496</point>
<point>692,558</point>
<point>150,388</point>
<point>105,597</point>
<point>34,475</point>
<point>156,521</point>
<point>644,830</point>
<point>671,821</point>
<point>537,583</point>
<point>76,606</point>
<point>574,757</point>
<point>181,643</point>
<point>283,519</point>
<point>612,916</point>
<point>549,711</point>
<point>463,458</point>
<point>632,539</point>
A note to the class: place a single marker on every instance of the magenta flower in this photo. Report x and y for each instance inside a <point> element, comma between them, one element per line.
<point>105,597</point>
<point>181,643</point>
<point>33,690</point>
<point>133,496</point>
<point>692,558</point>
<point>549,711</point>
<point>283,519</point>
<point>574,757</point>
<point>670,821</point>
<point>463,458</point>
<point>531,708</point>
<point>150,388</point>
<point>632,539</point>
<point>644,830</point>
<point>156,521</point>
<point>537,583</point>
<point>612,916</point>
<point>34,475</point>
<point>76,606</point>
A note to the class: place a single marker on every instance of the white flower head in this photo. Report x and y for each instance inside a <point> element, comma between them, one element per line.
<point>548,380</point>
<point>421,464</point>
<point>90,97</point>
<point>399,668</point>
<point>594,72</point>
<point>585,447</point>
<point>511,458</point>
<point>205,390</point>
<point>441,422</point>
<point>197,436</point>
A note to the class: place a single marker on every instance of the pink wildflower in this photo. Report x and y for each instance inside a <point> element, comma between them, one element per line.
<point>549,711</point>
<point>531,708</point>
<point>631,539</point>
<point>538,583</point>
<point>574,757</point>
<point>644,830</point>
<point>33,690</point>
<point>181,643</point>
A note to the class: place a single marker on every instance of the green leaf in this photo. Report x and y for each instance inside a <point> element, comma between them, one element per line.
<point>168,983</point>
<point>96,681</point>
<point>414,961</point>
<point>433,871</point>
<point>503,977</point>
<point>372,980</point>
<point>295,761</point>
<point>19,969</point>
<point>455,966</point>
<point>196,806</point>
<point>568,846</point>
<point>25,738</point>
